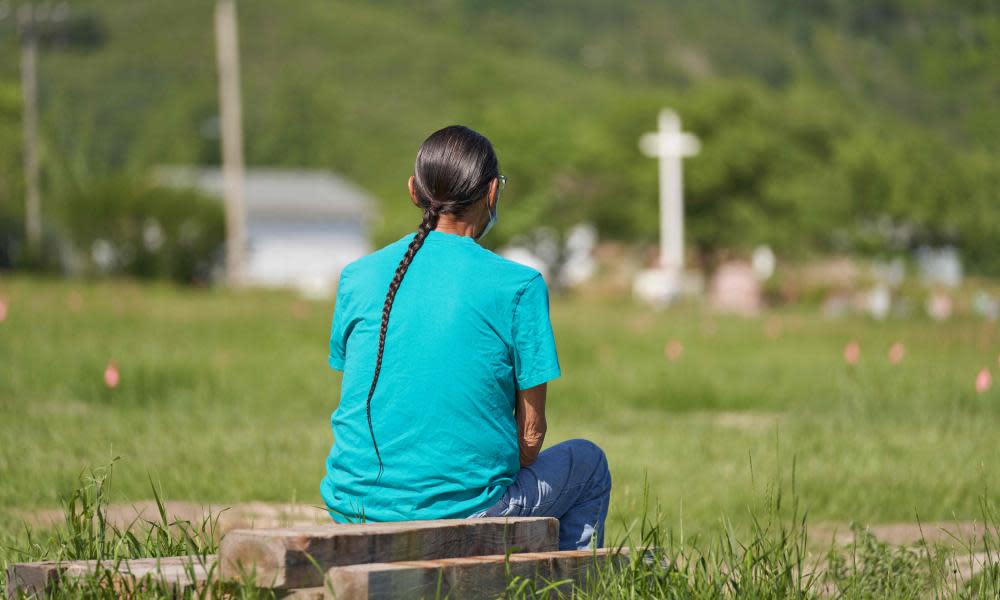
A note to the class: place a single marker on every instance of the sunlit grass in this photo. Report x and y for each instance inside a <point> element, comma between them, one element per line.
<point>772,558</point>
<point>225,397</point>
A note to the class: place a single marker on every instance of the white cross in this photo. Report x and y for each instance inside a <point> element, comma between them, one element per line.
<point>670,145</point>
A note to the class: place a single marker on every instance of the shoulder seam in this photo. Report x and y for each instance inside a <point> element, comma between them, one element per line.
<point>513,263</point>
<point>517,301</point>
<point>342,280</point>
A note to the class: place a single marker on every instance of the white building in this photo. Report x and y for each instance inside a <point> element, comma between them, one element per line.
<point>302,226</point>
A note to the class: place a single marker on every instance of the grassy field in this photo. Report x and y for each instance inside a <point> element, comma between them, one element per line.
<point>226,397</point>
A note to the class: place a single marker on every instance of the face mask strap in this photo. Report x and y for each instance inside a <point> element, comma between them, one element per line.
<point>490,223</point>
<point>494,217</point>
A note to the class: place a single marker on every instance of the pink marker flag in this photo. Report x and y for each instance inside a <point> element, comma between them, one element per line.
<point>983,381</point>
<point>3,310</point>
<point>111,376</point>
<point>896,353</point>
<point>852,352</point>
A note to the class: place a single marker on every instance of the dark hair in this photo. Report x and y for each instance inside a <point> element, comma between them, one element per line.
<point>455,167</point>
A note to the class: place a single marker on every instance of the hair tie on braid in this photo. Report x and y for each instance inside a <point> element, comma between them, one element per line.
<point>432,209</point>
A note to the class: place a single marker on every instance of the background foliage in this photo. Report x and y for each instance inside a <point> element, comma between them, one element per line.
<point>832,125</point>
<point>145,230</point>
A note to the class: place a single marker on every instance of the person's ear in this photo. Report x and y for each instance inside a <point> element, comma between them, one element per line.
<point>413,192</point>
<point>491,195</point>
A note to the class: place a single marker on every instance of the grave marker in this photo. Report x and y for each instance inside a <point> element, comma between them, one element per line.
<point>669,145</point>
<point>735,289</point>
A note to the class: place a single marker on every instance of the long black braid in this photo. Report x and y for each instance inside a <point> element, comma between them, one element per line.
<point>429,222</point>
<point>455,168</point>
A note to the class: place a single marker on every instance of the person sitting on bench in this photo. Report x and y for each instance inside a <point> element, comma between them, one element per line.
<point>442,406</point>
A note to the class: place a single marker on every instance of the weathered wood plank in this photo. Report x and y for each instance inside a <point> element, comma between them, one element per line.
<point>38,578</point>
<point>316,593</point>
<point>299,557</point>
<point>468,578</point>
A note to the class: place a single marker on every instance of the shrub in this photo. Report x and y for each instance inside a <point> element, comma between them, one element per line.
<point>123,225</point>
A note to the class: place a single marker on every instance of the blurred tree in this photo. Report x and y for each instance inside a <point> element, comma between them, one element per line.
<point>11,182</point>
<point>124,225</point>
<point>826,125</point>
<point>766,173</point>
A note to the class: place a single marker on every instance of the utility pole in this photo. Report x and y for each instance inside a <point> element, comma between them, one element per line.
<point>40,26</point>
<point>231,121</point>
<point>29,89</point>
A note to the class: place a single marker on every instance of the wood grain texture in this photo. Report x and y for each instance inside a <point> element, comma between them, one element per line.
<point>469,578</point>
<point>38,578</point>
<point>316,593</point>
<point>299,557</point>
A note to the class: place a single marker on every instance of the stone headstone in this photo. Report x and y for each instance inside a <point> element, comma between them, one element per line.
<point>763,262</point>
<point>986,305</point>
<point>580,264</point>
<point>890,273</point>
<point>657,287</point>
<point>104,254</point>
<point>660,287</point>
<point>836,305</point>
<point>939,306</point>
<point>939,266</point>
<point>735,289</point>
<point>878,302</point>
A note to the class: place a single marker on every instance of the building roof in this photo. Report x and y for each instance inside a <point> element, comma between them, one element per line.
<point>281,192</point>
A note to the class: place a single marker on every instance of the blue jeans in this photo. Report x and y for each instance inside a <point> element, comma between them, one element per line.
<point>569,481</point>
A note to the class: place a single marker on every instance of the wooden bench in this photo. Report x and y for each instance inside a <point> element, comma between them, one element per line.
<point>299,557</point>
<point>466,558</point>
<point>173,573</point>
<point>469,577</point>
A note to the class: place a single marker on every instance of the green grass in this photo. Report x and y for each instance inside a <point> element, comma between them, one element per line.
<point>225,397</point>
<point>772,560</point>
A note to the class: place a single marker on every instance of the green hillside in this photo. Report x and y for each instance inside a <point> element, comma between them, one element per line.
<point>819,123</point>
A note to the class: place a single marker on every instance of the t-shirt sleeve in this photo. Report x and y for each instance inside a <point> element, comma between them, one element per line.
<point>535,359</point>
<point>340,329</point>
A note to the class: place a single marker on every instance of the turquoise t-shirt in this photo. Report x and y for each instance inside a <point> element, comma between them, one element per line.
<point>468,328</point>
